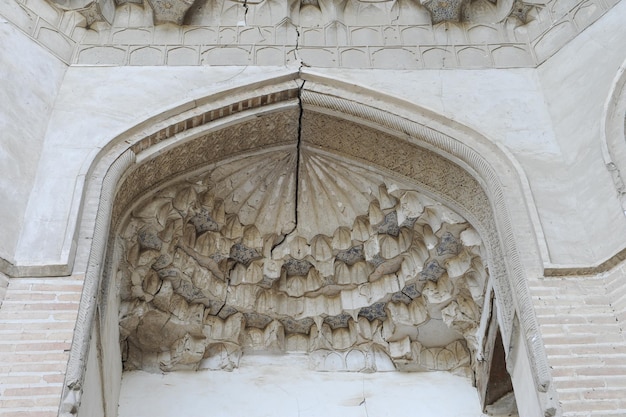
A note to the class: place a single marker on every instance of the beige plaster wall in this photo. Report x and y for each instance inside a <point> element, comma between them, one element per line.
<point>30,78</point>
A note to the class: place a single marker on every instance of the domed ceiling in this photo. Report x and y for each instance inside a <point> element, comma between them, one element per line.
<point>297,250</point>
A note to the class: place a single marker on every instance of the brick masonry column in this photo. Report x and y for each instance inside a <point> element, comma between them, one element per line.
<point>585,342</point>
<point>37,320</point>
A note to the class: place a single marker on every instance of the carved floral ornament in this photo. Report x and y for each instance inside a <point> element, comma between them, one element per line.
<point>312,13</point>
<point>316,256</point>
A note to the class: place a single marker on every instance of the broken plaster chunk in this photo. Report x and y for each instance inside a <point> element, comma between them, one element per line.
<point>272,268</point>
<point>469,237</point>
<point>187,353</point>
<point>401,349</point>
<point>410,206</point>
<point>462,315</point>
<point>221,357</point>
<point>458,265</point>
<point>438,292</point>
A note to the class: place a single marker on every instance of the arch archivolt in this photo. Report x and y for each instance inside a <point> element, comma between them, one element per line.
<point>312,223</point>
<point>614,140</point>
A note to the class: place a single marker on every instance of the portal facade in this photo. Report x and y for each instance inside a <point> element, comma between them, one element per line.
<point>357,188</point>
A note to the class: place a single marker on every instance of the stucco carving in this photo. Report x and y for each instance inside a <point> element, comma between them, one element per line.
<point>407,130</point>
<point>337,261</point>
<point>92,10</point>
<point>312,13</point>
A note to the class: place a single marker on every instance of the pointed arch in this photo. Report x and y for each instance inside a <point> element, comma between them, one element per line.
<point>481,180</point>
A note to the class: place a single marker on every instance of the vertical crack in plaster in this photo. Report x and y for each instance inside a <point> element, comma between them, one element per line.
<point>364,402</point>
<point>300,114</point>
<point>245,13</point>
<point>298,146</point>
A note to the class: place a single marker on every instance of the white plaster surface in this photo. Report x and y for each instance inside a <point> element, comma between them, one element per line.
<point>91,399</point>
<point>94,105</point>
<point>30,78</point>
<point>281,386</point>
<point>577,82</point>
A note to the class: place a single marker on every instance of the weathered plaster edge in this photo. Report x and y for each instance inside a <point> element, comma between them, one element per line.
<point>79,352</point>
<point>581,270</point>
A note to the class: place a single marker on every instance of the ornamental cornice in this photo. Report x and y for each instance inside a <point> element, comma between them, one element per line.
<point>401,34</point>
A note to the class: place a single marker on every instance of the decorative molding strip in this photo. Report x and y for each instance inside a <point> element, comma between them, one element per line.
<point>605,266</point>
<point>425,56</point>
<point>87,311</point>
<point>212,115</point>
<point>7,267</point>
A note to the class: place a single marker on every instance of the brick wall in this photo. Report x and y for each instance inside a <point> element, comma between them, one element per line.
<point>616,287</point>
<point>581,319</point>
<point>4,283</point>
<point>37,320</point>
<point>585,342</point>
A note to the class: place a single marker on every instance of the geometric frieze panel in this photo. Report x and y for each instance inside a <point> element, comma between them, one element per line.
<point>349,34</point>
<point>299,251</point>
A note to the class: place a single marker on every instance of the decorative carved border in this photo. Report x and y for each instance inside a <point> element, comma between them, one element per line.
<point>59,34</point>
<point>508,54</point>
<point>79,352</point>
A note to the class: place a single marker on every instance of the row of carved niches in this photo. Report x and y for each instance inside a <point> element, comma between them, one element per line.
<point>370,274</point>
<point>307,13</point>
